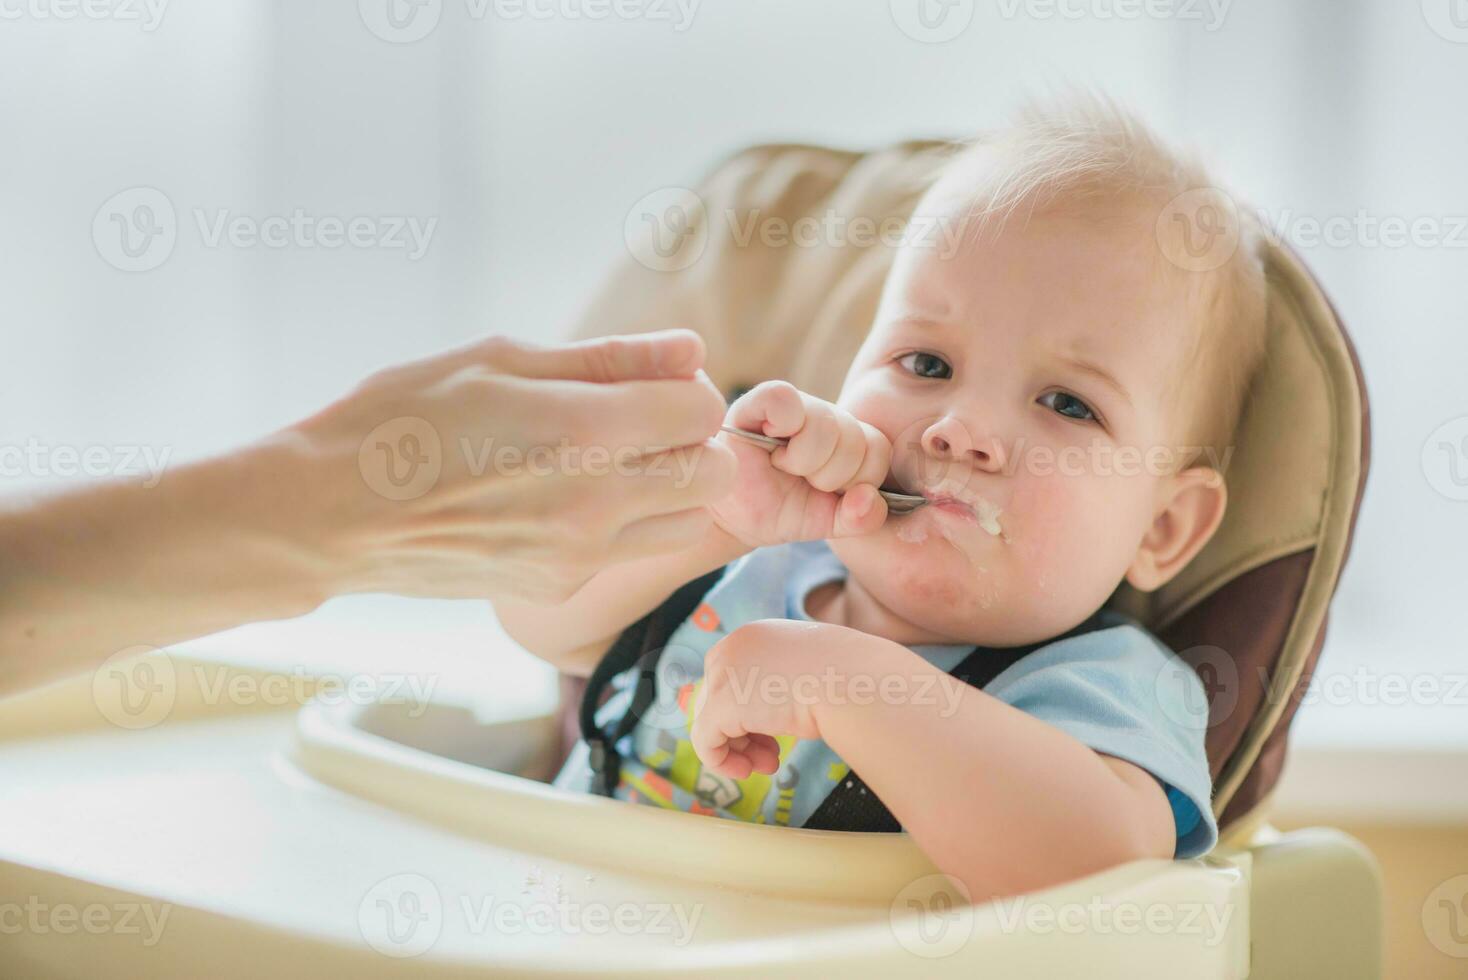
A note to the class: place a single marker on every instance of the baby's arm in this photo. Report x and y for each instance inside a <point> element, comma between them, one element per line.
<point>996,798</point>
<point>822,484</point>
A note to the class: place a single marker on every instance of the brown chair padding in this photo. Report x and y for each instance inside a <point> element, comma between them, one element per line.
<point>1248,613</point>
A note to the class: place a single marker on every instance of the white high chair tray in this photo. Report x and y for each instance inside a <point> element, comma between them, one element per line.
<point>343,840</point>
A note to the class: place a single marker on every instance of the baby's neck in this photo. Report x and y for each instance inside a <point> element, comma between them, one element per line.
<point>848,604</point>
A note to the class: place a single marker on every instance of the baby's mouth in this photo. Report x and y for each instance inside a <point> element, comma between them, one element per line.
<point>948,498</point>
<point>979,511</point>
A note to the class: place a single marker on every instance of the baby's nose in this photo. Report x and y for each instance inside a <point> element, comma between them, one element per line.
<point>950,438</point>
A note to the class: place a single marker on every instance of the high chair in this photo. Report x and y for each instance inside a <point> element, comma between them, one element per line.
<point>322,840</point>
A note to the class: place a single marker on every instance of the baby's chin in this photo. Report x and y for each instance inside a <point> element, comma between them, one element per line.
<point>952,584</point>
<point>956,582</point>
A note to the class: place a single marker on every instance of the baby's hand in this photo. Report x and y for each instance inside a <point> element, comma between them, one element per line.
<point>823,484</point>
<point>738,711</point>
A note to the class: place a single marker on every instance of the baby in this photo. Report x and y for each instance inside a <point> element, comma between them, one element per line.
<point>951,671</point>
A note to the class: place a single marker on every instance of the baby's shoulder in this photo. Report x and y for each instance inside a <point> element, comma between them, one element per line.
<point>1113,643</point>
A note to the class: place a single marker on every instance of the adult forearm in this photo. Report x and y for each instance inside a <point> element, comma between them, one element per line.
<point>87,572</point>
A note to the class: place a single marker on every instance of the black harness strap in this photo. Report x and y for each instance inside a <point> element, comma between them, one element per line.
<point>641,645</point>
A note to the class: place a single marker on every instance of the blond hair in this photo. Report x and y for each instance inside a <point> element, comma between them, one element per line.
<point>1087,155</point>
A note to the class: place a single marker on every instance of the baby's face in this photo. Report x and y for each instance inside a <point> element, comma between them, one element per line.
<point>1015,379</point>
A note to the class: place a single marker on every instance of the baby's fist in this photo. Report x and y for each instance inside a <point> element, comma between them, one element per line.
<point>821,484</point>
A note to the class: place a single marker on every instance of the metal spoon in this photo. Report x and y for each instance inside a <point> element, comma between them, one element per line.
<point>897,503</point>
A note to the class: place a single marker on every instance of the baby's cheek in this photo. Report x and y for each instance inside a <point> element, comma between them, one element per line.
<point>1072,535</point>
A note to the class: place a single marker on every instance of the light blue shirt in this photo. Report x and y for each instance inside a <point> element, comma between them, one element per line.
<point>1116,689</point>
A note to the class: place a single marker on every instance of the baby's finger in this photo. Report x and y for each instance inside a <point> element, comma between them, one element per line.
<point>775,408</point>
<point>846,460</point>
<point>763,753</point>
<point>876,465</point>
<point>862,510</point>
<point>810,448</point>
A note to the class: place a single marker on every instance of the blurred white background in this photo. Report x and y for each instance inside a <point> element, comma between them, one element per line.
<point>526,139</point>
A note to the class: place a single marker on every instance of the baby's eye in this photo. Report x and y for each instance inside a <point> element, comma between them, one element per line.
<point>1068,405</point>
<point>926,365</point>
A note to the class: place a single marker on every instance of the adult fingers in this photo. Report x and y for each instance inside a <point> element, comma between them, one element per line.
<point>605,360</point>
<point>669,482</point>
<point>650,415</point>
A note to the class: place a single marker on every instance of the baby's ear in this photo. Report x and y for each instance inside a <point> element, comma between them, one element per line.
<point>1190,509</point>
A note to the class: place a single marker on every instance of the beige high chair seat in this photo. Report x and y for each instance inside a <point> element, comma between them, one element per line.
<point>319,838</point>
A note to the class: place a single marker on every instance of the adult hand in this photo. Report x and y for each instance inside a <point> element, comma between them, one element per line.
<point>507,470</point>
